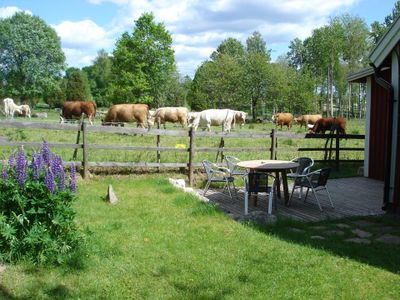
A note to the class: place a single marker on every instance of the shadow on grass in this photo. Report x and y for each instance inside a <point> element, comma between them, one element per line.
<point>376,253</point>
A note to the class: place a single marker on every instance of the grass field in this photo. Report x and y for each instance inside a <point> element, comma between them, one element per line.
<point>158,243</point>
<point>287,148</point>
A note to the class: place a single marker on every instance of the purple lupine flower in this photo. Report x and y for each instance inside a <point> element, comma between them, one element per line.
<point>61,184</point>
<point>72,178</point>
<point>56,165</point>
<point>21,173</point>
<point>35,166</point>
<point>45,151</point>
<point>39,161</point>
<point>11,160</point>
<point>49,181</point>
<point>4,174</point>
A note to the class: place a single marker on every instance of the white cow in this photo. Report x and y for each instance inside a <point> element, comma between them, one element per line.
<point>240,118</point>
<point>10,108</point>
<point>214,117</point>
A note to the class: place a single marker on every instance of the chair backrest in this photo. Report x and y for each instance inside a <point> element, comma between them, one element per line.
<point>305,164</point>
<point>323,176</point>
<point>257,182</point>
<point>208,167</point>
<point>231,162</point>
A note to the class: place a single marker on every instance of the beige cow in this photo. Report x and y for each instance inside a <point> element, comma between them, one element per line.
<point>172,115</point>
<point>307,119</point>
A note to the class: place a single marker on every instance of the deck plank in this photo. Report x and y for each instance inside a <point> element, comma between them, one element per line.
<point>356,196</point>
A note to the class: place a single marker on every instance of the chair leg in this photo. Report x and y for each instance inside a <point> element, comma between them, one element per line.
<point>229,189</point>
<point>246,202</point>
<point>206,188</point>
<point>234,188</point>
<point>329,196</point>
<point>270,197</point>
<point>291,195</point>
<point>316,198</point>
<point>305,198</point>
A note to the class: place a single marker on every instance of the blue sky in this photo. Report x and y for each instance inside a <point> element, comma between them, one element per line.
<point>197,26</point>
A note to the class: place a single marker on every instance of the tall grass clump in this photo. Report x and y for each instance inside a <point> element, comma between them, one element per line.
<point>36,218</point>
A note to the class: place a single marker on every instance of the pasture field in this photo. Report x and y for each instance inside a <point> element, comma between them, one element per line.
<point>159,243</point>
<point>287,148</point>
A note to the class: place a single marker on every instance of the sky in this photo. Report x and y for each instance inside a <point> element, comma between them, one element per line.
<point>197,27</point>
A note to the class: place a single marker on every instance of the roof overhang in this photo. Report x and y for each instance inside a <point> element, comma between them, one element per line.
<point>361,75</point>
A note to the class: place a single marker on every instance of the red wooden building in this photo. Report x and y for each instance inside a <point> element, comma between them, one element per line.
<point>382,141</point>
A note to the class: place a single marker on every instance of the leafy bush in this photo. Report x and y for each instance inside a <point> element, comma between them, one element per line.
<point>42,105</point>
<point>36,217</point>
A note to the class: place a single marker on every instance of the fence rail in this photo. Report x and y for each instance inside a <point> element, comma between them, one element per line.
<point>332,144</point>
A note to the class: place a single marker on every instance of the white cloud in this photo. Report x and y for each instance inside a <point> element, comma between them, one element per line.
<point>83,35</point>
<point>78,58</point>
<point>9,11</point>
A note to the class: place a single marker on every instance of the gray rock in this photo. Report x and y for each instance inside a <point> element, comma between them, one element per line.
<point>343,226</point>
<point>319,227</point>
<point>364,223</point>
<point>334,232</point>
<point>389,239</point>
<point>358,241</point>
<point>111,197</point>
<point>317,237</point>
<point>361,233</point>
<point>296,230</point>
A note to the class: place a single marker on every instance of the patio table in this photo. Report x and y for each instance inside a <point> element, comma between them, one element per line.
<point>272,166</point>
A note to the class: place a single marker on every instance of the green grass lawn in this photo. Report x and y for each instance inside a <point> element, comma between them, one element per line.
<point>159,243</point>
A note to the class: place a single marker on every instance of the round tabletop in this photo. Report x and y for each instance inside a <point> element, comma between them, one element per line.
<point>266,164</point>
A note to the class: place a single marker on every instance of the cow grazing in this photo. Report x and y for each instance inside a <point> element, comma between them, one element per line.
<point>331,124</point>
<point>283,119</point>
<point>10,108</point>
<point>239,118</point>
<point>172,115</point>
<point>26,110</point>
<point>127,113</point>
<point>214,117</point>
<point>75,109</point>
<point>307,120</point>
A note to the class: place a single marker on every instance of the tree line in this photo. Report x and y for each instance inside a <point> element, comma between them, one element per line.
<point>310,78</point>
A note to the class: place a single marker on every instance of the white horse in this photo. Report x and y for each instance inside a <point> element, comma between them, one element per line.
<point>10,108</point>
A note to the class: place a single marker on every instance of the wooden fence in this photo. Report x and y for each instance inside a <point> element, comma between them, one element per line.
<point>84,129</point>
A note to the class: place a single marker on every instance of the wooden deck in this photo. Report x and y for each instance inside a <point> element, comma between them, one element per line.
<point>357,196</point>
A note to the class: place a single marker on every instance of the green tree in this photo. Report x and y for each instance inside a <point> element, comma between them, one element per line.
<point>143,63</point>
<point>256,72</point>
<point>77,85</point>
<point>31,59</point>
<point>99,75</point>
<point>378,29</point>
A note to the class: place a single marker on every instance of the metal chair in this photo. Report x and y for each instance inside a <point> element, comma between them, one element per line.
<point>305,165</point>
<point>315,181</point>
<point>258,183</point>
<point>234,170</point>
<point>218,174</point>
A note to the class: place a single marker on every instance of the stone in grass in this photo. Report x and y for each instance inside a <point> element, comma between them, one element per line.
<point>358,241</point>
<point>334,232</point>
<point>317,237</point>
<point>361,233</point>
<point>389,239</point>
<point>297,230</point>
<point>111,197</point>
<point>364,223</point>
<point>342,226</point>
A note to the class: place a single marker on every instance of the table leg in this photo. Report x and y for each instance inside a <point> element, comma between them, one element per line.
<point>285,187</point>
<point>278,184</point>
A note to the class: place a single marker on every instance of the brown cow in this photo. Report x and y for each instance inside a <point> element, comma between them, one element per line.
<point>171,114</point>
<point>127,113</point>
<point>75,109</point>
<point>307,119</point>
<point>332,124</point>
<point>283,119</point>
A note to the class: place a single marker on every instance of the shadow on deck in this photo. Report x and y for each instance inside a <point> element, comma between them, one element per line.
<point>357,196</point>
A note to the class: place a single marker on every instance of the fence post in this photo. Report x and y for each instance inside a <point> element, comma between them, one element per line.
<point>85,154</point>
<point>273,144</point>
<point>158,145</point>
<point>191,155</point>
<point>337,149</point>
